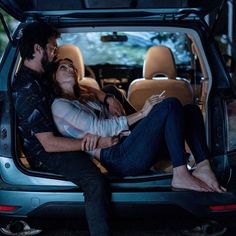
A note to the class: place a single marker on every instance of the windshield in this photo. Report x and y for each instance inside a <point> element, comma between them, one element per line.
<point>129,48</point>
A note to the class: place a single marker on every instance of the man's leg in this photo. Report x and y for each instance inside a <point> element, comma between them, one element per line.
<point>78,168</point>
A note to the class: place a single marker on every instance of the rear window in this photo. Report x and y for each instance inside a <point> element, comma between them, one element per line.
<point>129,48</point>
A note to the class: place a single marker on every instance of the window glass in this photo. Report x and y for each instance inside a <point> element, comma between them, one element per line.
<point>129,52</point>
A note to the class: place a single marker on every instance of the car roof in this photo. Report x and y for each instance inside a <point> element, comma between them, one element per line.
<point>70,8</point>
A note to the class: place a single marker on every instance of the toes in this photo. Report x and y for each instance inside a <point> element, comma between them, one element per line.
<point>223,189</point>
<point>218,188</point>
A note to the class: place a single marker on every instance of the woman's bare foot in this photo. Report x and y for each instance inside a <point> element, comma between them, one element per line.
<point>204,172</point>
<point>182,179</point>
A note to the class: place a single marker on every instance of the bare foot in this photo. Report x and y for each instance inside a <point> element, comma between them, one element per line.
<point>206,175</point>
<point>182,179</point>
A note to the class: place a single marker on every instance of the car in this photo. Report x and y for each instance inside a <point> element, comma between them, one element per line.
<point>118,41</point>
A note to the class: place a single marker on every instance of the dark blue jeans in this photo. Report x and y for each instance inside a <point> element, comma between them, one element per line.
<point>135,154</point>
<point>79,169</point>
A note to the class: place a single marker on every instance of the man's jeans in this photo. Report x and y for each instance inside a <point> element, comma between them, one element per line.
<point>79,169</point>
<point>135,154</point>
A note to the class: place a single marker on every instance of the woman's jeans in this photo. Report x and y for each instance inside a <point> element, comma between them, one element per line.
<point>135,154</point>
<point>79,169</point>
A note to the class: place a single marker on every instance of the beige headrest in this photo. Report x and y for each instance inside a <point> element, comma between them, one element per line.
<point>73,53</point>
<point>159,60</point>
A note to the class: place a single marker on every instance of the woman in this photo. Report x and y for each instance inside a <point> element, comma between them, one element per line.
<point>78,114</point>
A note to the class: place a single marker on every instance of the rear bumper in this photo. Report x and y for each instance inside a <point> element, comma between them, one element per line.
<point>42,207</point>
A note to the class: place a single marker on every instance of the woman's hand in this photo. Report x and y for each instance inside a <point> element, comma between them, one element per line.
<point>151,102</point>
<point>115,107</point>
<point>105,142</point>
<point>89,142</point>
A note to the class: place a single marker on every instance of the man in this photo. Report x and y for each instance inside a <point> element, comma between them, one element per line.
<point>44,150</point>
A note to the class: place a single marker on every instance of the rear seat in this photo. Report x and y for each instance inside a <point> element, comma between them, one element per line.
<point>159,72</point>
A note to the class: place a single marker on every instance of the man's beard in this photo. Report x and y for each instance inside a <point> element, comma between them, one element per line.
<point>45,62</point>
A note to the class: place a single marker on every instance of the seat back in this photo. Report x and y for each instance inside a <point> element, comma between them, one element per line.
<point>159,73</point>
<point>73,53</point>
<point>159,61</point>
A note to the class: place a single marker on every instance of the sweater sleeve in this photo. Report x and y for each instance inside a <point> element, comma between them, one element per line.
<point>76,121</point>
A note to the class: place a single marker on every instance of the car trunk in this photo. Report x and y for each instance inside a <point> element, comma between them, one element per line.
<point>60,11</point>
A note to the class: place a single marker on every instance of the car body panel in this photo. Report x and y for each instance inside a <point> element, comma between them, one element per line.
<point>39,194</point>
<point>20,10</point>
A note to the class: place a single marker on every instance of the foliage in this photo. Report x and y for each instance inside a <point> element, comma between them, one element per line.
<point>3,37</point>
<point>130,52</point>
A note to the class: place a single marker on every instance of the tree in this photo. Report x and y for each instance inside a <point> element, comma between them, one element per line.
<point>3,37</point>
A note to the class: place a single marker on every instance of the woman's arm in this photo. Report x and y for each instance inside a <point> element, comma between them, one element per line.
<point>149,104</point>
<point>76,121</point>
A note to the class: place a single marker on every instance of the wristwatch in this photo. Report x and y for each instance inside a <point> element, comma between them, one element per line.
<point>108,95</point>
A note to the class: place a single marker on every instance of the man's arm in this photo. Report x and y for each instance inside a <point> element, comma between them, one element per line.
<point>52,143</point>
<point>100,95</point>
<point>114,105</point>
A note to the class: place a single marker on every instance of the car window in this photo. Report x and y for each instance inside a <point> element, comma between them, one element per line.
<point>131,51</point>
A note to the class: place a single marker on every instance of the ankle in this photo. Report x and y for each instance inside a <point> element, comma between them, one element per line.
<point>203,163</point>
<point>180,170</point>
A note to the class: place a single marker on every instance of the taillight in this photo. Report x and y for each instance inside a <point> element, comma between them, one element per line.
<point>231,207</point>
<point>7,208</point>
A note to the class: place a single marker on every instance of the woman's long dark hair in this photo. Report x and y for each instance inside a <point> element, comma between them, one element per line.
<point>80,93</point>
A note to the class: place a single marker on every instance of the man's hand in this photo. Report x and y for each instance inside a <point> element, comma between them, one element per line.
<point>115,107</point>
<point>89,142</point>
<point>105,142</point>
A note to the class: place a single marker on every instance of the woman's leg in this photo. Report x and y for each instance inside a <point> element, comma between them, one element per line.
<point>194,130</point>
<point>136,154</point>
<point>174,137</point>
<point>196,139</point>
<point>139,151</point>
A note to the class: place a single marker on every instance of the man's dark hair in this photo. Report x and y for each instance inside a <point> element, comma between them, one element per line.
<point>35,33</point>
